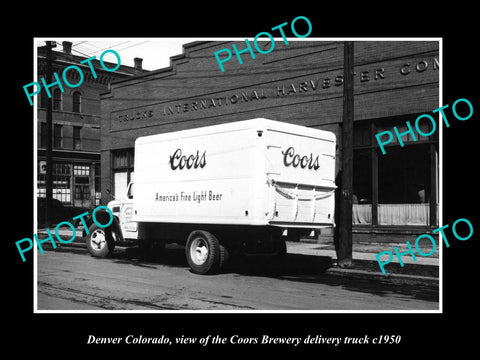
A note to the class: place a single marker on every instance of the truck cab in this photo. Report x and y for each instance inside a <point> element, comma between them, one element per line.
<point>101,241</point>
<point>123,213</point>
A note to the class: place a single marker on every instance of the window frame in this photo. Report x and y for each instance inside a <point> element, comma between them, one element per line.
<point>74,103</point>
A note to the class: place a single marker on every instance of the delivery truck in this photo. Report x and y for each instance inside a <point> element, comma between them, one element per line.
<point>237,188</point>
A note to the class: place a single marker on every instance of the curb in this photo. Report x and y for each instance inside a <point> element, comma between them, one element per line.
<point>378,276</point>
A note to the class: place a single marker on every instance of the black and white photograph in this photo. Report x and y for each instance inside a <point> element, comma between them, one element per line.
<point>260,188</point>
<point>286,181</point>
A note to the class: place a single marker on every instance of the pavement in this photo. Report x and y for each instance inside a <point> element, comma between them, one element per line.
<point>423,270</point>
<point>365,265</point>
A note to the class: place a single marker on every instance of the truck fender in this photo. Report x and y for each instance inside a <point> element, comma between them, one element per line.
<point>117,230</point>
<point>103,217</point>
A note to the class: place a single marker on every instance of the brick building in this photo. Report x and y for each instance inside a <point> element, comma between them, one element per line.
<point>76,127</point>
<point>300,83</point>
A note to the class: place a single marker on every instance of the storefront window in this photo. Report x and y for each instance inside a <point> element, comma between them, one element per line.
<point>81,170</point>
<point>403,186</point>
<point>395,188</point>
<point>362,187</point>
<point>82,190</point>
<point>61,179</point>
<point>82,196</point>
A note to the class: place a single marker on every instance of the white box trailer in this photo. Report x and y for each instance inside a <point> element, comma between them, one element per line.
<point>227,188</point>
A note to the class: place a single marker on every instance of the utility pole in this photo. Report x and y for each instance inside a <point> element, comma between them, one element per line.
<point>48,145</point>
<point>344,250</point>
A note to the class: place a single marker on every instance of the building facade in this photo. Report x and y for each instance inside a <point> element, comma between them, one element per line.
<point>300,83</point>
<point>76,128</point>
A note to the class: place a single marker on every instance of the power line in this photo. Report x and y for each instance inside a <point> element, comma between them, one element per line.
<point>85,51</point>
<point>81,42</point>
<point>128,47</point>
<point>112,46</point>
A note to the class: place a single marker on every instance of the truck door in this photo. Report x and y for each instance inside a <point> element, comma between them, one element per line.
<point>129,227</point>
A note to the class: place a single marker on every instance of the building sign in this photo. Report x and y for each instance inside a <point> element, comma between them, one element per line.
<point>198,105</point>
<point>379,76</point>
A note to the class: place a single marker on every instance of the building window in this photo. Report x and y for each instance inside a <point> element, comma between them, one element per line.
<point>57,136</point>
<point>76,138</point>
<point>403,186</point>
<point>77,101</point>
<point>81,175</point>
<point>43,134</point>
<point>362,187</point>
<point>97,180</point>
<point>97,177</point>
<point>122,172</point>
<point>395,188</point>
<point>81,170</point>
<point>61,176</point>
<point>57,99</point>
<point>82,188</point>
<point>43,99</point>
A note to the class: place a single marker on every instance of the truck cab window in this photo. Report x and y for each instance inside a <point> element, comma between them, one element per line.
<point>130,191</point>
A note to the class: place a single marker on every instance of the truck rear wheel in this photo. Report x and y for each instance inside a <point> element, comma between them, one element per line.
<point>204,253</point>
<point>99,241</point>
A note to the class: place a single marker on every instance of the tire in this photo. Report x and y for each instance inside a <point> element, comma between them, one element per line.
<point>99,241</point>
<point>224,257</point>
<point>204,253</point>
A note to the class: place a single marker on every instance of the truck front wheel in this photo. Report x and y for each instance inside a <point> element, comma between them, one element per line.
<point>204,252</point>
<point>99,241</point>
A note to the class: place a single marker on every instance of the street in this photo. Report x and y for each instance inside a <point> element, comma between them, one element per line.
<point>69,278</point>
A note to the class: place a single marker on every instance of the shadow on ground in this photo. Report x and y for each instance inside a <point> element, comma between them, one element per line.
<point>300,268</point>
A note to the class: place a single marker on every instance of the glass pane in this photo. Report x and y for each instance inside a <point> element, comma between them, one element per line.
<point>403,186</point>
<point>57,99</point>
<point>76,102</point>
<point>61,188</point>
<point>57,136</point>
<point>120,160</point>
<point>362,214</point>
<point>97,177</point>
<point>362,187</point>
<point>81,170</point>
<point>120,185</point>
<point>81,180</point>
<point>403,214</point>
<point>43,134</point>
<point>82,192</point>
<point>76,137</point>
<point>403,175</point>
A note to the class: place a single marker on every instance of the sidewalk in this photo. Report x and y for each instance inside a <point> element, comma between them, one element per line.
<point>365,266</point>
